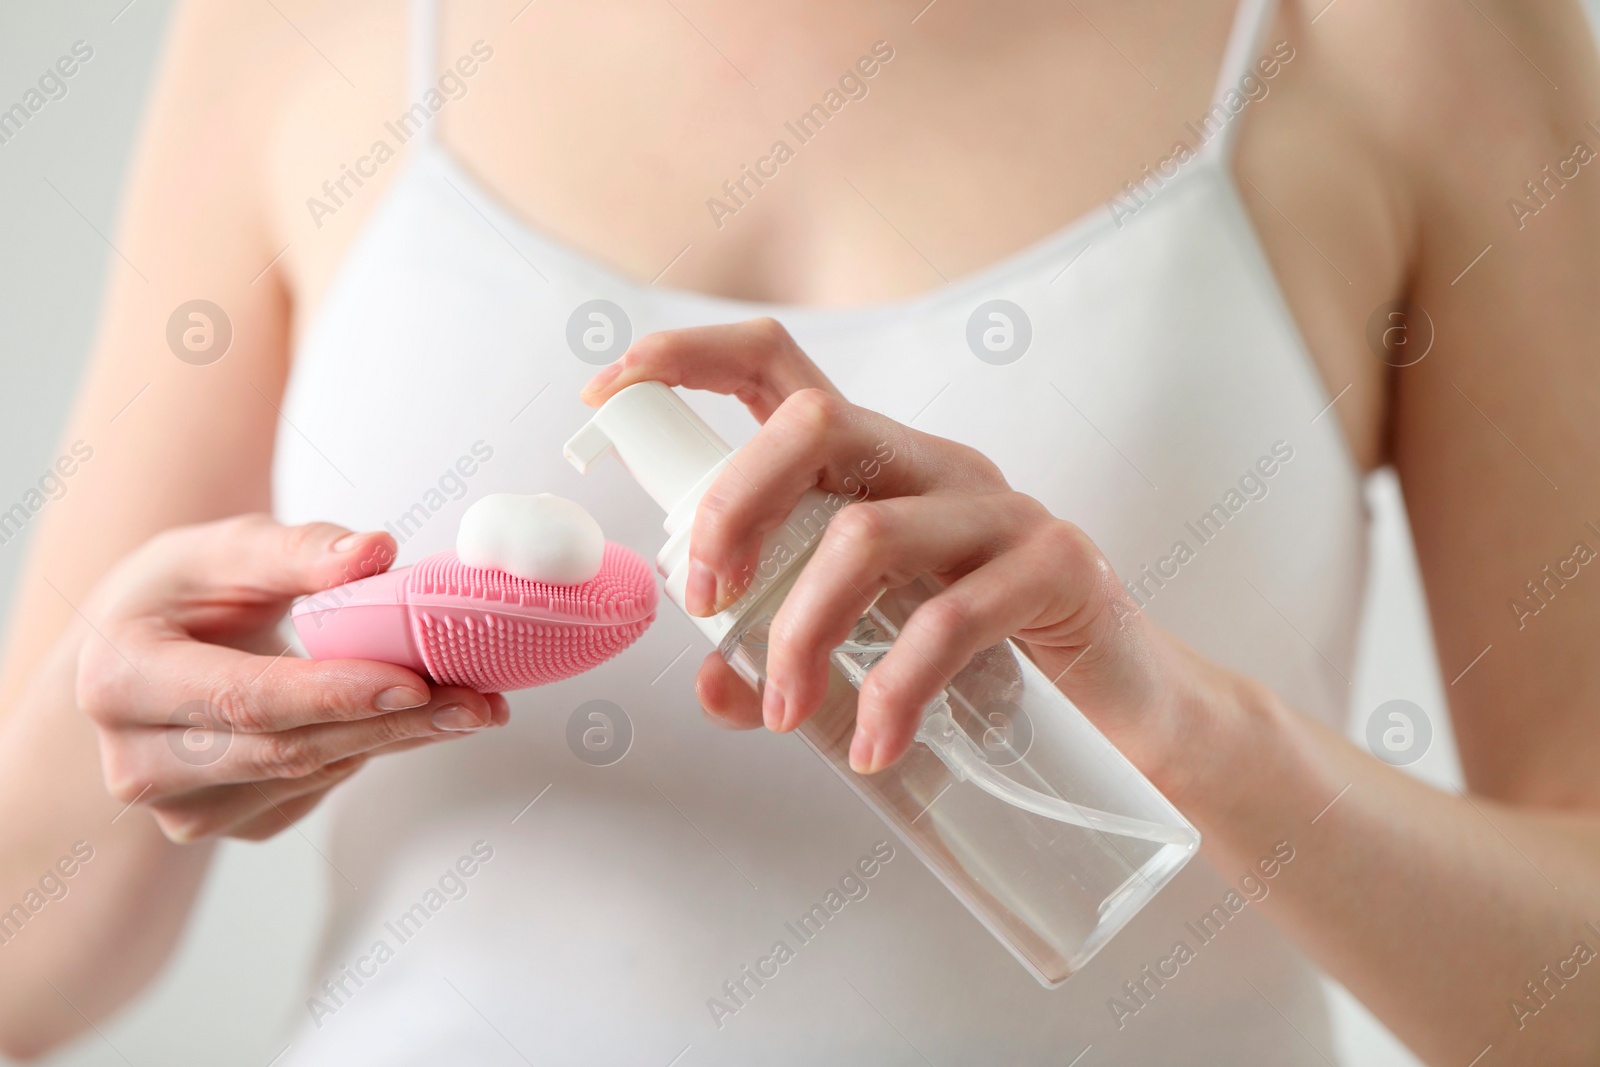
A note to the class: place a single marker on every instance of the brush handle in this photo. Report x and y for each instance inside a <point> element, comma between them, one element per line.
<point>365,619</point>
<point>483,629</point>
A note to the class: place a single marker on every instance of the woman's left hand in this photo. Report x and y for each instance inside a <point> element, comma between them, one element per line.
<point>932,506</point>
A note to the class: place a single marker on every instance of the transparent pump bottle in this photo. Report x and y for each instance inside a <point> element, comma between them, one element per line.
<point>1021,807</point>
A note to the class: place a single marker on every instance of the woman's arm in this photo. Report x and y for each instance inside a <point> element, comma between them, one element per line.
<point>1439,910</point>
<point>164,442</point>
<point>1436,909</point>
<point>171,443</point>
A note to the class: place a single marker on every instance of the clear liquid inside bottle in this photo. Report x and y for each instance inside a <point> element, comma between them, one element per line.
<point>1020,806</point>
<point>1052,891</point>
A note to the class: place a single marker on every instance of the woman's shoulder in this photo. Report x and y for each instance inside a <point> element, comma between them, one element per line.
<point>300,88</point>
<point>264,65</point>
<point>1477,81</point>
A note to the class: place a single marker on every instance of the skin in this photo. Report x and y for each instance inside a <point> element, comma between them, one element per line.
<point>1379,166</point>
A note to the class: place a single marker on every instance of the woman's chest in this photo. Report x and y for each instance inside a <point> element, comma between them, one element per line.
<point>869,162</point>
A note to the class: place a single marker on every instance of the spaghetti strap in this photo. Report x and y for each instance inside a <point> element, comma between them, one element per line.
<point>1250,26</point>
<point>422,55</point>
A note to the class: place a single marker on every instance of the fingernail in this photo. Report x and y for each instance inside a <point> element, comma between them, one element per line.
<point>345,543</point>
<point>603,379</point>
<point>862,752</point>
<point>400,698</point>
<point>772,706</point>
<point>700,589</point>
<point>456,718</point>
<point>727,596</point>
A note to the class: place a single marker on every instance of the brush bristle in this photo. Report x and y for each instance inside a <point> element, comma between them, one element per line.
<point>492,650</point>
<point>624,591</point>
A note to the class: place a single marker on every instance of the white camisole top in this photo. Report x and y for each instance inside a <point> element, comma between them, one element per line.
<point>612,903</point>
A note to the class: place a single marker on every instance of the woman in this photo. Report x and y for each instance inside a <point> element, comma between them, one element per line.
<point>1370,240</point>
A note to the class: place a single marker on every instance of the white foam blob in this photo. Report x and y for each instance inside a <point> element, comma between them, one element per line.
<point>542,538</point>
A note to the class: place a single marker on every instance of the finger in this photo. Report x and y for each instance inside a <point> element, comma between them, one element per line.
<point>814,440</point>
<point>227,809</point>
<point>303,751</point>
<point>250,559</point>
<point>171,760</point>
<point>284,813</point>
<point>278,818</point>
<point>300,752</point>
<point>146,674</point>
<point>756,361</point>
<point>868,548</point>
<point>1056,579</point>
<point>726,698</point>
<point>500,715</point>
<point>407,745</point>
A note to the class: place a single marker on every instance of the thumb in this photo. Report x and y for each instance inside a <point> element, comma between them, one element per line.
<point>252,554</point>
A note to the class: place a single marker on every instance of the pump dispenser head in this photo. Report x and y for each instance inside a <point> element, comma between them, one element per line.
<point>668,449</point>
<point>676,457</point>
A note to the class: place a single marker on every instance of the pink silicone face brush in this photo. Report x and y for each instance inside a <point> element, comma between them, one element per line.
<point>485,629</point>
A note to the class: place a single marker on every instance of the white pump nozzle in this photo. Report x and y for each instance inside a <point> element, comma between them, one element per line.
<point>676,457</point>
<point>667,448</point>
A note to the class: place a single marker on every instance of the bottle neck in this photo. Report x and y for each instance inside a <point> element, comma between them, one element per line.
<point>782,551</point>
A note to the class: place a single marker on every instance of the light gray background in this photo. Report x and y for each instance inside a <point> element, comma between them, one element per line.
<point>234,983</point>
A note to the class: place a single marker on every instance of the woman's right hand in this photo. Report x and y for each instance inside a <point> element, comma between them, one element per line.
<point>203,719</point>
